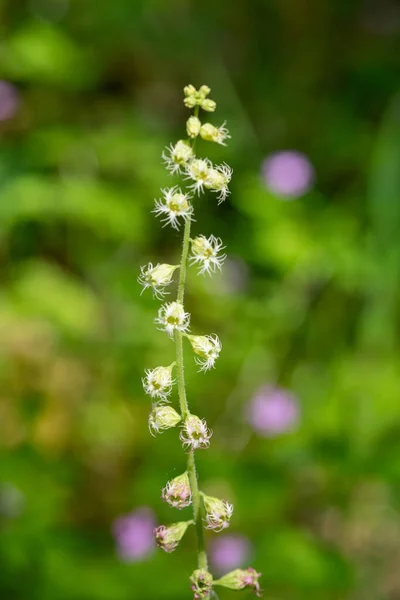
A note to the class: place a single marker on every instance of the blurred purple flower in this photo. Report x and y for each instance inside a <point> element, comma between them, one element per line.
<point>229,552</point>
<point>288,173</point>
<point>9,100</point>
<point>273,411</point>
<point>134,534</point>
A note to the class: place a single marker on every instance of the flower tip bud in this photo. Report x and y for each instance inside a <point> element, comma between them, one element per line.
<point>204,90</point>
<point>195,97</point>
<point>190,102</point>
<point>208,105</point>
<point>202,582</point>
<point>189,90</point>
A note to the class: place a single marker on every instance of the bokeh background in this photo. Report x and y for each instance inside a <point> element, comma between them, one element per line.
<point>305,400</point>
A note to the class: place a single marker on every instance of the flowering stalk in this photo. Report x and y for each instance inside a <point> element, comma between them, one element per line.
<point>177,207</point>
<point>191,465</point>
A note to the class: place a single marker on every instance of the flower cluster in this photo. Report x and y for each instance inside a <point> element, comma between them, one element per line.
<point>180,158</point>
<point>199,98</point>
<point>176,208</point>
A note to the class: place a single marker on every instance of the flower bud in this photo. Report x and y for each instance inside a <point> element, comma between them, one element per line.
<point>210,133</point>
<point>189,90</point>
<point>168,537</point>
<point>158,382</point>
<point>218,513</point>
<point>163,417</point>
<point>190,101</point>
<point>208,105</point>
<point>156,277</point>
<point>162,274</point>
<point>204,91</point>
<point>202,582</point>
<point>240,579</point>
<point>195,434</point>
<point>207,347</point>
<point>177,492</point>
<point>193,126</point>
<point>195,97</point>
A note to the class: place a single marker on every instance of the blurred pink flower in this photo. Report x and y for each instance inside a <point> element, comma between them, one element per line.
<point>9,100</point>
<point>229,552</point>
<point>273,411</point>
<point>288,173</point>
<point>134,534</point>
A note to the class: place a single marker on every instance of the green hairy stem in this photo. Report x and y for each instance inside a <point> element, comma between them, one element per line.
<point>191,464</point>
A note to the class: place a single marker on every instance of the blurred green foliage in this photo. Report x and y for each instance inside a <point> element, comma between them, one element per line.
<point>309,299</point>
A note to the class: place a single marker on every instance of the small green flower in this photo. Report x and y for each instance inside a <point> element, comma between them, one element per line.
<point>202,582</point>
<point>207,348</point>
<point>168,537</point>
<point>210,133</point>
<point>218,513</point>
<point>176,156</point>
<point>156,278</point>
<point>158,382</point>
<point>177,492</point>
<point>163,417</point>
<point>240,579</point>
